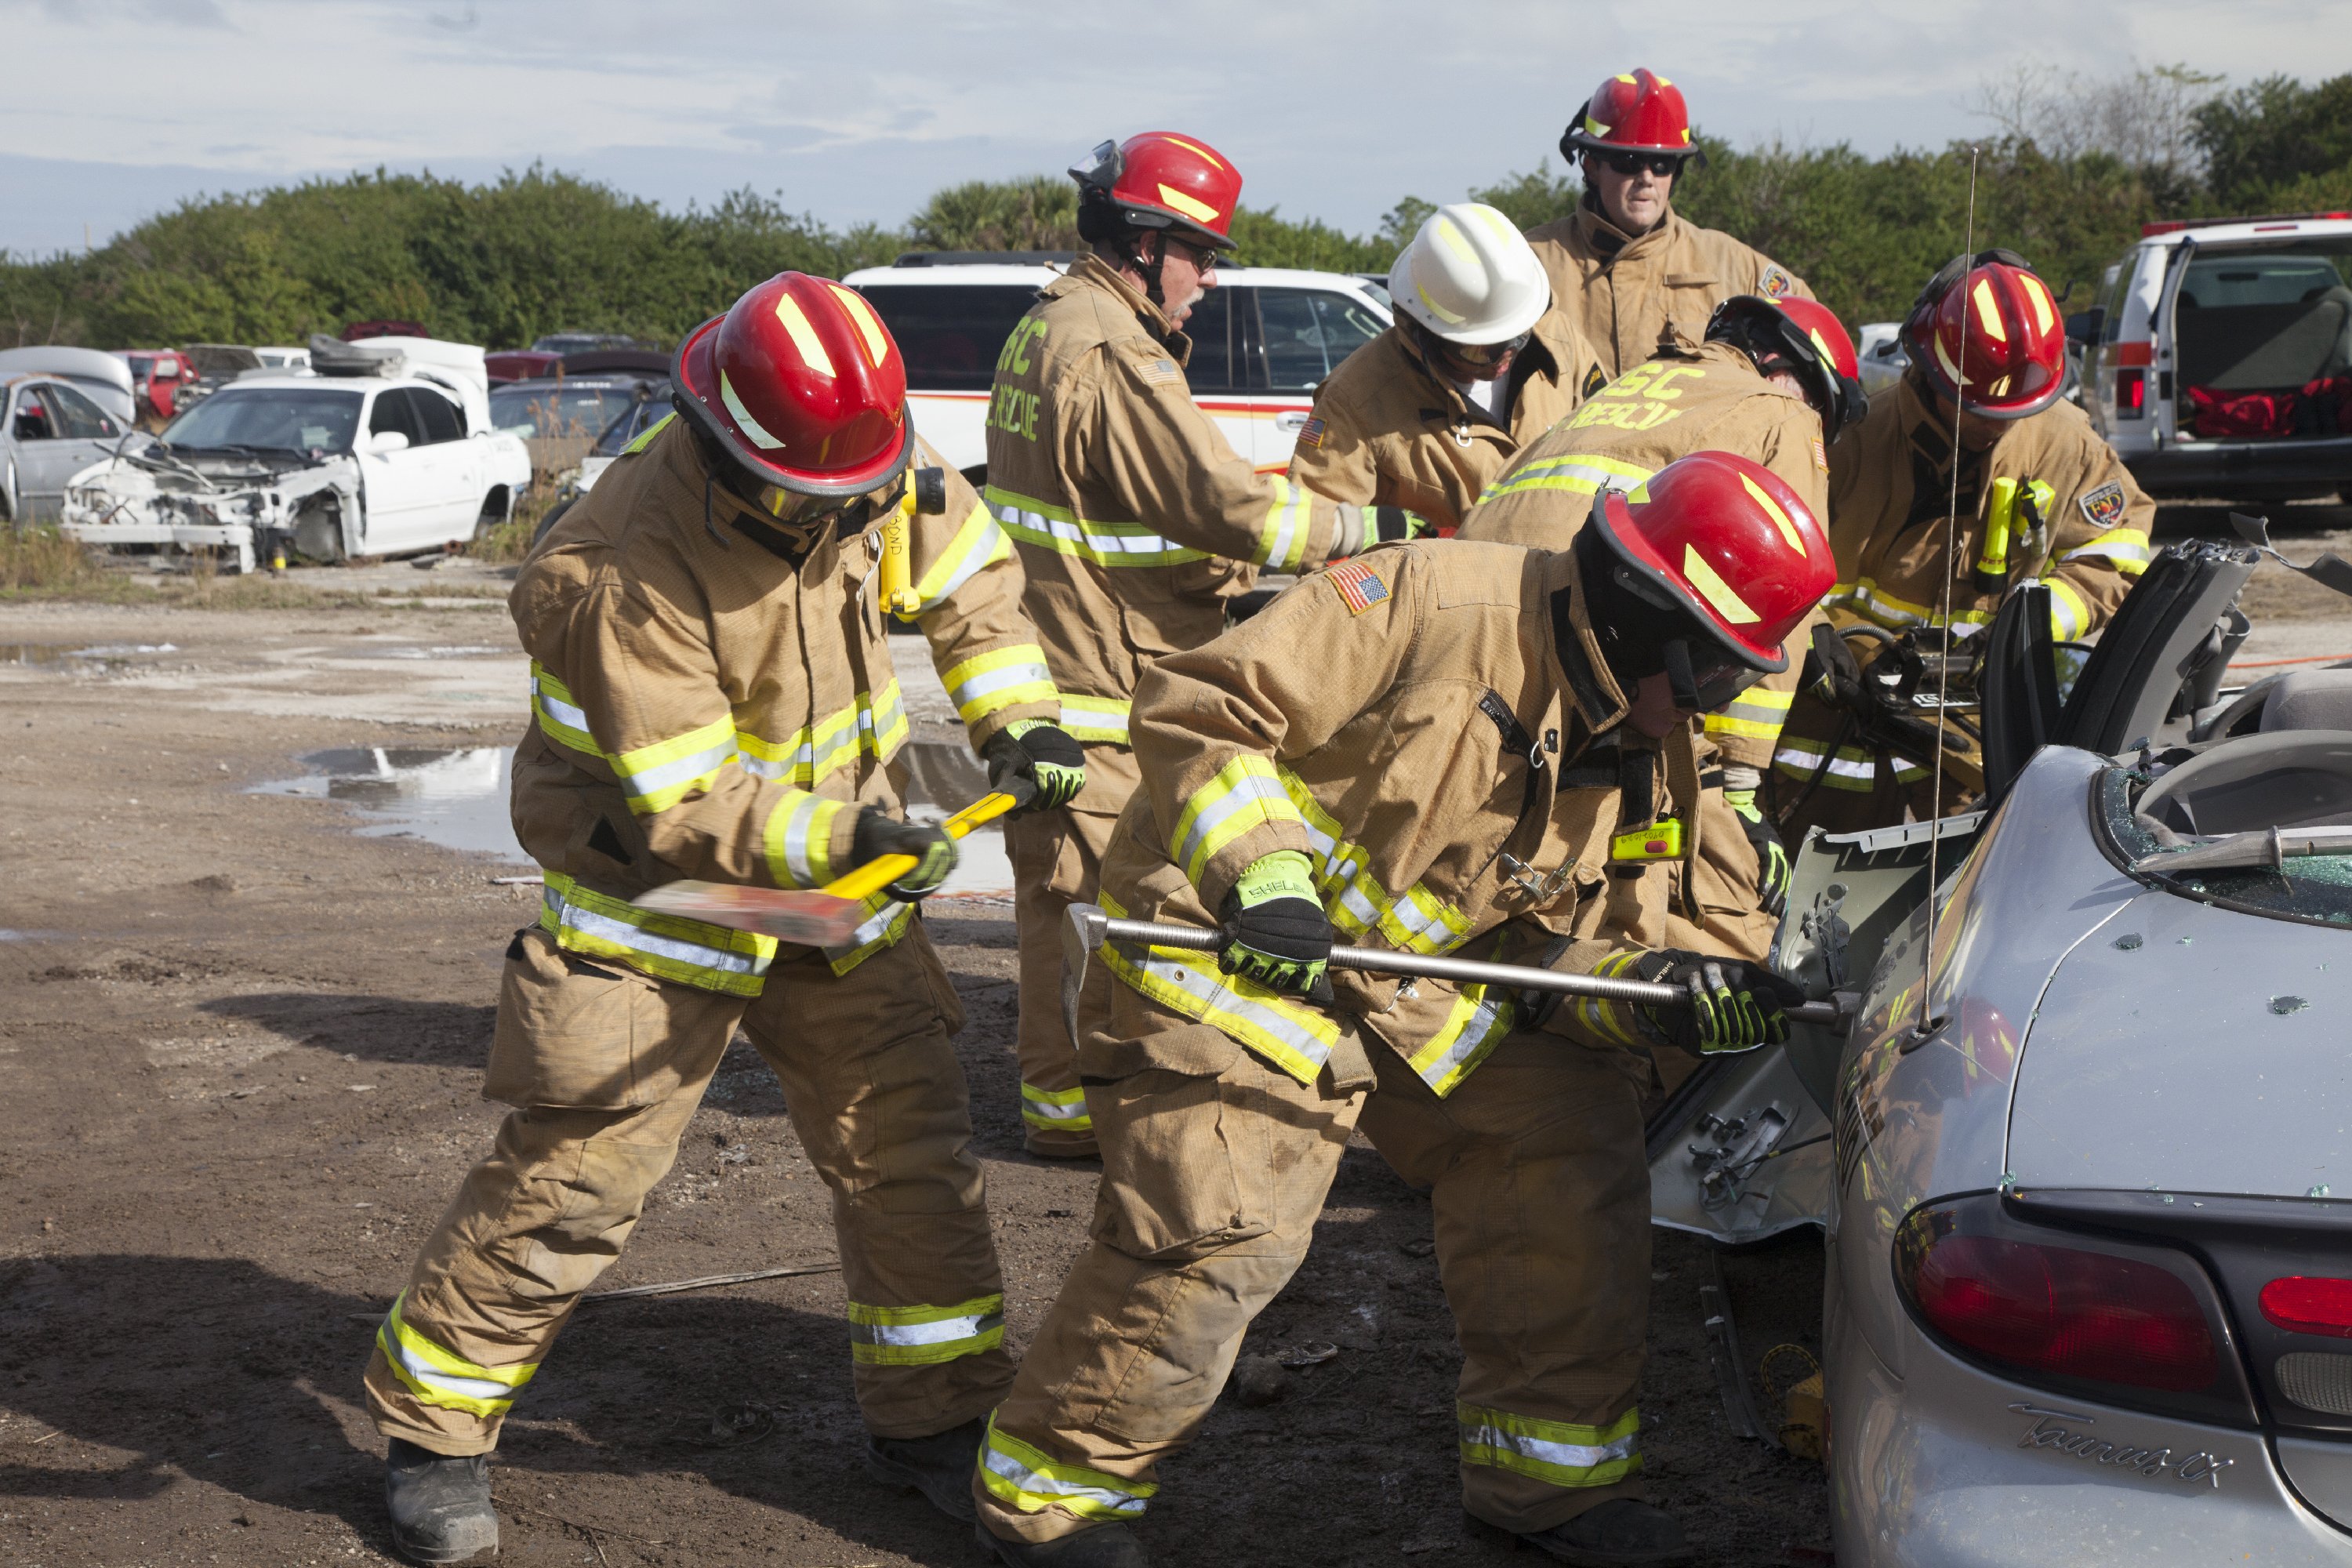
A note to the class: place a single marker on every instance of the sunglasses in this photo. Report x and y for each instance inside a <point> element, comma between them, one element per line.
<point>1481,355</point>
<point>1663,165</point>
<point>1202,258</point>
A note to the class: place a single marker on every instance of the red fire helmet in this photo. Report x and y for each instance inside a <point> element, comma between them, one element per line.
<point>1729,542</point>
<point>1163,180</point>
<point>1990,339</point>
<point>1639,111</point>
<point>800,382</point>
<point>1808,332</point>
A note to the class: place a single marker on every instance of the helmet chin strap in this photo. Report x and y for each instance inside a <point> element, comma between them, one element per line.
<point>1150,275</point>
<point>1679,675</point>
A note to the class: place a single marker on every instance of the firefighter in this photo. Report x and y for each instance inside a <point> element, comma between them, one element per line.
<point>2037,498</point>
<point>1419,785</point>
<point>1776,382</point>
<point>1479,362</point>
<point>1135,522</point>
<point>712,698</point>
<point>1631,272</point>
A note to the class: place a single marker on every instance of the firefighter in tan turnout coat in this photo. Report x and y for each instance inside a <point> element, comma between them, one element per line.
<point>1479,364</point>
<point>1135,521</point>
<point>1419,785</point>
<point>2043,500</point>
<point>1776,382</point>
<point>713,698</point>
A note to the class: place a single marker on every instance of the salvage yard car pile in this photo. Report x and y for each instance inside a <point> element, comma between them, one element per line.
<point>379,447</point>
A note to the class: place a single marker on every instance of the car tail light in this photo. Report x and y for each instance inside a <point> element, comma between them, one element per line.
<point>2131,394</point>
<point>2309,1304</point>
<point>2106,1317</point>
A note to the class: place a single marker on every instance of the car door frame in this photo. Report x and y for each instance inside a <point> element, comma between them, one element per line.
<point>41,468</point>
<point>396,488</point>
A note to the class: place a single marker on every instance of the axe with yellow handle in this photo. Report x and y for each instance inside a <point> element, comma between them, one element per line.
<point>819,917</point>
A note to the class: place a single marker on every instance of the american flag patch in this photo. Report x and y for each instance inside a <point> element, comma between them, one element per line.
<point>1160,372</point>
<point>1311,433</point>
<point>1358,585</point>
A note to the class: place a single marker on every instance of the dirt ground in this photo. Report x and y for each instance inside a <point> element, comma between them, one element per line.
<point>241,1046</point>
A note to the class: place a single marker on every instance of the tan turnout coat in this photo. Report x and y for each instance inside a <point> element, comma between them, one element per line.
<point>704,707</point>
<point>1628,294</point>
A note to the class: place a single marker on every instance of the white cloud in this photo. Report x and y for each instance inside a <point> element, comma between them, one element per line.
<point>858,113</point>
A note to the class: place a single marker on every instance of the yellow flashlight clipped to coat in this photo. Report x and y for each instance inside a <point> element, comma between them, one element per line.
<point>926,493</point>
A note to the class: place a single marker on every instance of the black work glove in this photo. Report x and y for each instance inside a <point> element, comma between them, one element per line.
<point>1037,763</point>
<point>934,849</point>
<point>1395,522</point>
<point>1774,874</point>
<point>1275,931</point>
<point>1736,1006</point>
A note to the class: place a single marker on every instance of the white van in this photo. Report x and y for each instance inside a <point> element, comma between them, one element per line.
<point>2218,357</point>
<point>1263,341</point>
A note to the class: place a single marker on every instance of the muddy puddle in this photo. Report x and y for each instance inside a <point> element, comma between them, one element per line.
<point>65,655</point>
<point>456,796</point>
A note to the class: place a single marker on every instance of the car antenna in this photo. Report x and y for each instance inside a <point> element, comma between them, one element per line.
<point>1944,664</point>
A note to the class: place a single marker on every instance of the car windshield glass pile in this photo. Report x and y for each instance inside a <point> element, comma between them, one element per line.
<point>277,418</point>
<point>2264,344</point>
<point>559,410</point>
<point>2263,826</point>
<point>950,333</point>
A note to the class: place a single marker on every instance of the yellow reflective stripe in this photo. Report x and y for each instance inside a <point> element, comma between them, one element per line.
<point>1480,1017</point>
<point>1613,1021</point>
<point>669,947</point>
<point>1563,1453</point>
<point>798,839</point>
<point>1867,599</point>
<point>1098,720</point>
<point>1244,796</point>
<point>1757,714</point>
<point>440,1376</point>
<point>882,722</point>
<point>875,726</point>
<point>1416,921</point>
<point>1287,1034</point>
<point>644,437</point>
<point>2069,616</point>
<point>883,926</point>
<point>1022,1477</point>
<point>924,1336</point>
<point>979,686</point>
<point>1854,768</point>
<point>1057,528</point>
<point>2127,547</point>
<point>1056,1109</point>
<point>1578,473</point>
<point>655,778</point>
<point>1282,538</point>
<point>977,544</point>
<point>559,716</point>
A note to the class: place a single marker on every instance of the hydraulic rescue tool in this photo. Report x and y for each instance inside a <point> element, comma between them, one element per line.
<point>1088,927</point>
<point>822,917</point>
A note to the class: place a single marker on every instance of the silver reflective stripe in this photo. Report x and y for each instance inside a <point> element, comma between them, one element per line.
<point>1097,718</point>
<point>660,777</point>
<point>1792,754</point>
<point>796,841</point>
<point>994,680</point>
<point>1289,516</point>
<point>1567,1455</point>
<point>946,1330</point>
<point>441,1382</point>
<point>761,768</point>
<point>1059,530</point>
<point>1207,987</point>
<point>1242,794</point>
<point>563,712</point>
<point>1041,1104</point>
<point>1124,1505</point>
<point>1467,1044</point>
<point>622,935</point>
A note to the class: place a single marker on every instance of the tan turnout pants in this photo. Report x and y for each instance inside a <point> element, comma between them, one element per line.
<point>1056,861</point>
<point>605,1068</point>
<point>1214,1169</point>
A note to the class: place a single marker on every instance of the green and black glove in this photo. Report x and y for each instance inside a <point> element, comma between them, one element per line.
<point>1736,1006</point>
<point>1774,874</point>
<point>1393,523</point>
<point>1274,926</point>
<point>1037,762</point>
<point>934,849</point>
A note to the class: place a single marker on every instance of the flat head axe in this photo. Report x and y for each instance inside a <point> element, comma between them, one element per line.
<point>813,917</point>
<point>1087,927</point>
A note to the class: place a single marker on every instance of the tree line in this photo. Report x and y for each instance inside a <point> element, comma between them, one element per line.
<point>2072,169</point>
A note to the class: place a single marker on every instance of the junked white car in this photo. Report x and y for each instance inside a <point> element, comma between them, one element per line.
<point>385,449</point>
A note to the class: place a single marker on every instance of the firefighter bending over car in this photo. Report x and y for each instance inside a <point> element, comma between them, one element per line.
<point>2040,498</point>
<point>1418,783</point>
<point>1480,361</point>
<point>713,698</point>
<point>1628,268</point>
<point>1136,521</point>
<point>1775,382</point>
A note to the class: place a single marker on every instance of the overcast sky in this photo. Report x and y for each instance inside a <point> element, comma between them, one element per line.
<point>114,109</point>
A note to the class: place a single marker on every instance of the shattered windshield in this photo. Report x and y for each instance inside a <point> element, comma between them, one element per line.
<point>314,422</point>
<point>2262,825</point>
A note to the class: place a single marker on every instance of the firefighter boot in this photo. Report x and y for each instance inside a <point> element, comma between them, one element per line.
<point>1102,1546</point>
<point>440,1506</point>
<point>939,1465</point>
<point>1623,1532</point>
